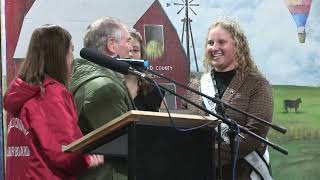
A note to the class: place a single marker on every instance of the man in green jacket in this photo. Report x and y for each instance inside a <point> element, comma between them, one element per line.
<point>100,94</point>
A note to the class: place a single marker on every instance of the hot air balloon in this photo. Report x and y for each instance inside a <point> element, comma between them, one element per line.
<point>299,10</point>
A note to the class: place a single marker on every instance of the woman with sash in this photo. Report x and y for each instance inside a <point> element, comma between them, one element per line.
<point>231,74</point>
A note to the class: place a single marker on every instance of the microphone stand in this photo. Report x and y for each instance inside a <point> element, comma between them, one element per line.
<point>219,139</point>
<point>225,104</point>
<point>235,128</point>
<point>124,68</point>
<point>226,120</point>
<point>233,125</point>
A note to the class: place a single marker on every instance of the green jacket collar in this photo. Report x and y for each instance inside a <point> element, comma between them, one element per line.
<point>85,70</point>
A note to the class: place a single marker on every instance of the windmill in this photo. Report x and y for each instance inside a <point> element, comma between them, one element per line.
<point>187,5</point>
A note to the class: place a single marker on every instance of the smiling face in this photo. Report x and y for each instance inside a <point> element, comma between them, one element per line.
<point>220,50</point>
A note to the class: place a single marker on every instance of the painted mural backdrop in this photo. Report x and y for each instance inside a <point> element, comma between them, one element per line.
<point>1,110</point>
<point>147,16</point>
<point>285,43</point>
<point>284,39</point>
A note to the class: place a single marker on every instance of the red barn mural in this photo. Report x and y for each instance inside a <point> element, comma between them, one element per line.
<point>147,16</point>
<point>14,16</point>
<point>173,63</point>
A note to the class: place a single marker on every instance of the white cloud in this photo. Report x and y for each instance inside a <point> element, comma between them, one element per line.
<point>289,62</point>
<point>272,35</point>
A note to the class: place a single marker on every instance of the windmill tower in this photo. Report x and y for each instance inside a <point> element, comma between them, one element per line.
<point>187,6</point>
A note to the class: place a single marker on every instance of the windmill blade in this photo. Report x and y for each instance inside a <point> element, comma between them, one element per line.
<point>180,10</point>
<point>194,4</point>
<point>178,4</point>
<point>190,1</point>
<point>193,11</point>
<point>183,1</point>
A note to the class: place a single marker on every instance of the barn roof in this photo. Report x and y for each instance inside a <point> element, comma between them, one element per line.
<point>76,15</point>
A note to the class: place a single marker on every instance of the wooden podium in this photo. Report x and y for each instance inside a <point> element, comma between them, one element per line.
<point>153,148</point>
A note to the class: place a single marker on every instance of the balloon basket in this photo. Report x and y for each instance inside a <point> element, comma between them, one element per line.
<point>302,37</point>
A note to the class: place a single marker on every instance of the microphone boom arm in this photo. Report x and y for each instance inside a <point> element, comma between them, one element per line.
<point>219,101</point>
<point>228,121</point>
<point>111,63</point>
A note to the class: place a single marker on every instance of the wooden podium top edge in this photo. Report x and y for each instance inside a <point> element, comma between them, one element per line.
<point>135,115</point>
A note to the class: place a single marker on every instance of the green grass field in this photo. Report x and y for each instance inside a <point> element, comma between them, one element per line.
<point>303,137</point>
<point>302,163</point>
<point>302,125</point>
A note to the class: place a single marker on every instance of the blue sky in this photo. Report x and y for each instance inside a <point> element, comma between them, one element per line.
<point>271,32</point>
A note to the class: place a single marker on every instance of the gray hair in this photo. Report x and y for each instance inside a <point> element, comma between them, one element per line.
<point>101,30</point>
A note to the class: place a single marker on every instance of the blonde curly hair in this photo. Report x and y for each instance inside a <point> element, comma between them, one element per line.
<point>244,61</point>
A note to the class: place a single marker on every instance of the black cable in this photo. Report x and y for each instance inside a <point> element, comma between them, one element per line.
<point>227,105</point>
<point>227,121</point>
<point>236,150</point>
<point>167,109</point>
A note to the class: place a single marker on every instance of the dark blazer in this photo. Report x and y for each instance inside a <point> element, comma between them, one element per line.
<point>252,94</point>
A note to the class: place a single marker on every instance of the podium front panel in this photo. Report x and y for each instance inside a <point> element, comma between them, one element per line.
<point>163,153</point>
<point>152,148</point>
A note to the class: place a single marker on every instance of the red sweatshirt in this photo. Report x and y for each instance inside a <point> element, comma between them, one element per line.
<point>39,123</point>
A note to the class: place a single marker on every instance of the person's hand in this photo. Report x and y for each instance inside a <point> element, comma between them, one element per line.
<point>96,160</point>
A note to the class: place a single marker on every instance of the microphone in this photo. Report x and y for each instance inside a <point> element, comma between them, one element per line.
<point>101,59</point>
<point>136,63</point>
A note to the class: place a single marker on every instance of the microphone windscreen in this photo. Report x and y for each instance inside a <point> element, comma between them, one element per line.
<point>101,59</point>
